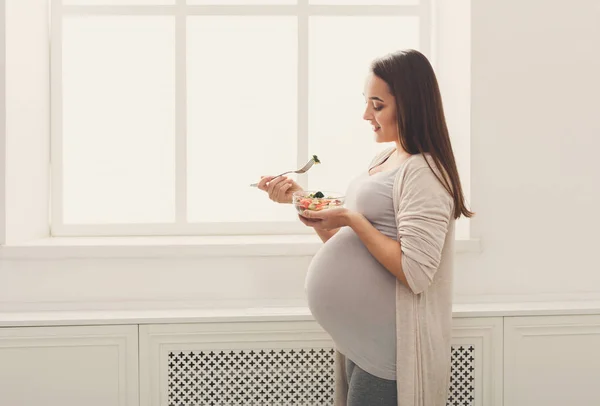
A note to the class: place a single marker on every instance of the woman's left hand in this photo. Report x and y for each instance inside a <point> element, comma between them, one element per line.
<point>328,219</point>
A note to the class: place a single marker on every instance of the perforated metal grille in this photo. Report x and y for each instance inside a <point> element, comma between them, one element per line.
<point>462,385</point>
<point>251,377</point>
<point>279,377</point>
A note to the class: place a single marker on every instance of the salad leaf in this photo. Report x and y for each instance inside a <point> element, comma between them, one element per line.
<point>316,159</point>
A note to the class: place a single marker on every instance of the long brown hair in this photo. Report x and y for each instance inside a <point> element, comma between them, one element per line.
<point>421,122</point>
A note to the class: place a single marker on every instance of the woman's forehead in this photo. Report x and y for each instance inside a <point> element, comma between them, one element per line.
<point>375,86</point>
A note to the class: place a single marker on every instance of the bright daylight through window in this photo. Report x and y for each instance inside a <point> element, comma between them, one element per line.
<point>163,112</point>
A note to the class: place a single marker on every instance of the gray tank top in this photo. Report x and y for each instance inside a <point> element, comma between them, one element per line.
<point>350,294</point>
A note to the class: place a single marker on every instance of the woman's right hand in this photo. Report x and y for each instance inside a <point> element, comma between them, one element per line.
<point>280,190</point>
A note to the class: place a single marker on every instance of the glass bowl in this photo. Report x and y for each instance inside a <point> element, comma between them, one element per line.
<point>306,200</point>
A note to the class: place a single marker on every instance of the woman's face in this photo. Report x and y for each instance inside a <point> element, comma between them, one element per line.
<point>380,110</point>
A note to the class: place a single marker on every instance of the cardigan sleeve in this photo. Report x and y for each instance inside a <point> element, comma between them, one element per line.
<point>424,212</point>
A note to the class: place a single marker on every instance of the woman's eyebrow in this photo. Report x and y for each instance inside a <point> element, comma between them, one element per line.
<point>374,98</point>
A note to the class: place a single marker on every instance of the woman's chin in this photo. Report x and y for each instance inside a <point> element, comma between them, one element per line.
<point>379,138</point>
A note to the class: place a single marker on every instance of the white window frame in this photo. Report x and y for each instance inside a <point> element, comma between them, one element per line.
<point>3,136</point>
<point>180,10</point>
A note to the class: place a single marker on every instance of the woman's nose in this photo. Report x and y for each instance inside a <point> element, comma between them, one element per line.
<point>367,114</point>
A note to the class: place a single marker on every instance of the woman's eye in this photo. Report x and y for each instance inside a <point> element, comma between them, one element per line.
<point>378,108</point>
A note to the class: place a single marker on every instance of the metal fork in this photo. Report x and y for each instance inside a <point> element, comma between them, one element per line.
<point>304,169</point>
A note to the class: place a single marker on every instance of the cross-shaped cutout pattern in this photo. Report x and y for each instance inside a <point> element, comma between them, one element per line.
<point>279,377</point>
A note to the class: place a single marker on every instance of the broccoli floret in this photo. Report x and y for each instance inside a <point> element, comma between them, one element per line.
<point>316,159</point>
<point>319,195</point>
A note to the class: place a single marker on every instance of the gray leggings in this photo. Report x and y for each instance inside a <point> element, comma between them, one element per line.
<point>365,389</point>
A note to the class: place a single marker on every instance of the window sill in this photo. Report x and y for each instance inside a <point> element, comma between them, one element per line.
<point>178,247</point>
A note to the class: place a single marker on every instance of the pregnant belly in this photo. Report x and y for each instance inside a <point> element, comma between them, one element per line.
<point>349,291</point>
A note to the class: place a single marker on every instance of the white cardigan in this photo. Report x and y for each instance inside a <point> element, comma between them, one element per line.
<point>425,222</point>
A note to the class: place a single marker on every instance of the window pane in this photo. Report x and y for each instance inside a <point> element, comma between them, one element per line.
<point>240,2</point>
<point>341,50</point>
<point>118,2</point>
<point>365,2</point>
<point>242,114</point>
<point>118,119</point>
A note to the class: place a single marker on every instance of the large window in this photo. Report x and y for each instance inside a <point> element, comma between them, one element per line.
<point>164,111</point>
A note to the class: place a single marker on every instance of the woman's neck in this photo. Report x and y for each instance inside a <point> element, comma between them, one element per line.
<point>400,154</point>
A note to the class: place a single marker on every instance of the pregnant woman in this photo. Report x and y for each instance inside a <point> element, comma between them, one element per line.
<point>381,285</point>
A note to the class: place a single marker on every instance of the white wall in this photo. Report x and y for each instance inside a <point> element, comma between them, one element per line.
<point>27,119</point>
<point>536,137</point>
<point>535,181</point>
<point>152,283</point>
